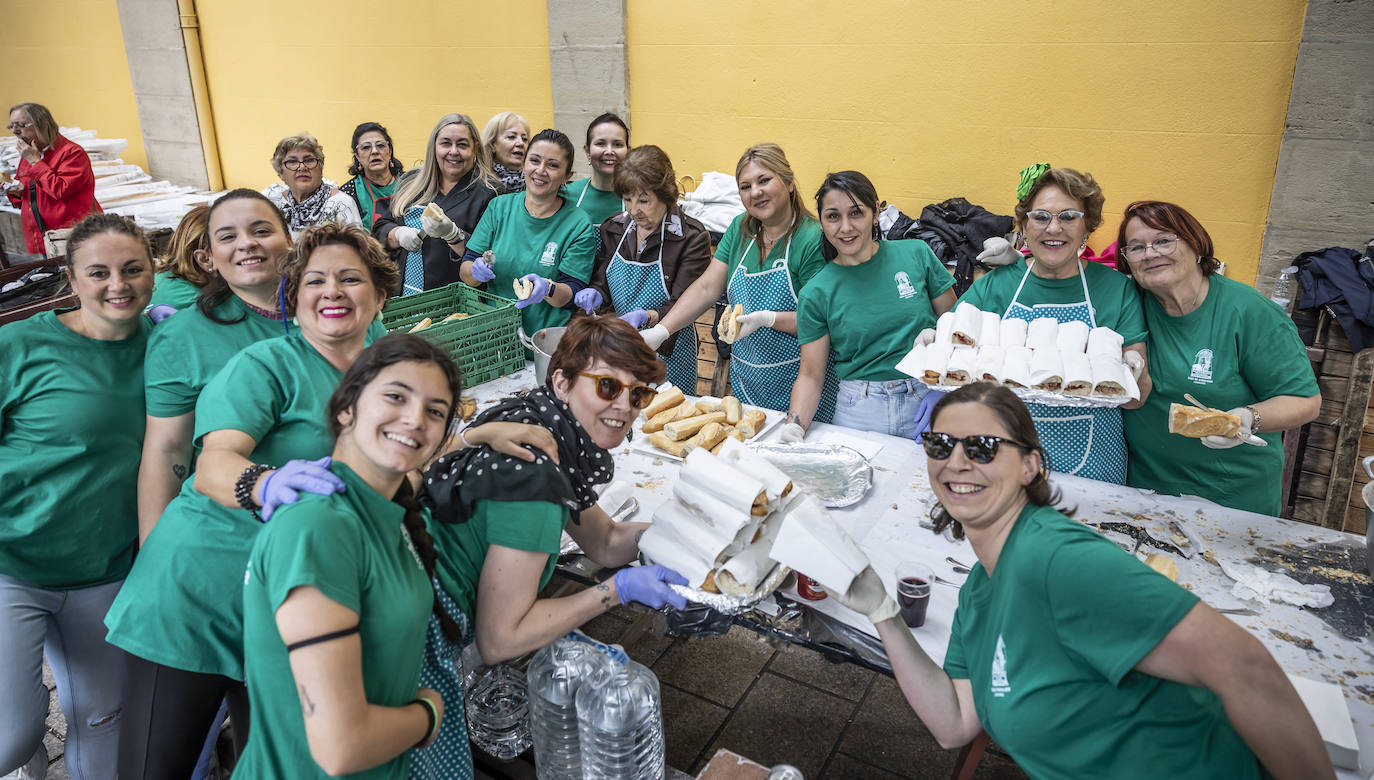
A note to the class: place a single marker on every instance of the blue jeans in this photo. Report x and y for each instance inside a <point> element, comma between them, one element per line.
<point>883,407</point>
<point>68,626</point>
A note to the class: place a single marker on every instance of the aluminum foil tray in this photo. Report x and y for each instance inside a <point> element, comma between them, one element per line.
<point>733,605</point>
<point>837,475</point>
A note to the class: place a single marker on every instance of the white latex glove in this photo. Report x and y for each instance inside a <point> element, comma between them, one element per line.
<point>11,186</point>
<point>868,596</point>
<point>998,251</point>
<point>1135,362</point>
<point>748,323</point>
<point>925,337</point>
<point>442,229</point>
<point>655,336</point>
<point>408,237</point>
<point>792,433</point>
<point>1227,442</point>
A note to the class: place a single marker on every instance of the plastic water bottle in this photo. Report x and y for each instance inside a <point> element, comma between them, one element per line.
<point>496,706</point>
<point>1285,288</point>
<point>555,675</point>
<point>620,724</point>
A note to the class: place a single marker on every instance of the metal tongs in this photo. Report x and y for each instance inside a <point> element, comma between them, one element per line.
<point>1248,438</point>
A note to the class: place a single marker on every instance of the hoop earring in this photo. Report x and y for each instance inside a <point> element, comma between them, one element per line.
<point>877,232</point>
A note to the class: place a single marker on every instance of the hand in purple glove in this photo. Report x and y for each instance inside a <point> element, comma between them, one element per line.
<point>481,268</point>
<point>283,485</point>
<point>540,292</point>
<point>637,318</point>
<point>161,312</point>
<point>925,410</point>
<point>587,299</point>
<point>649,586</point>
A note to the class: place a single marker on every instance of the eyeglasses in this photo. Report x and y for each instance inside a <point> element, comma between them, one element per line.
<point>379,146</point>
<point>1162,246</point>
<point>16,126</point>
<point>296,165</point>
<point>979,449</point>
<point>1042,218</point>
<point>608,388</point>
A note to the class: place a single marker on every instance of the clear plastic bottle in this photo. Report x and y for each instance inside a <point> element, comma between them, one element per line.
<point>620,724</point>
<point>555,675</point>
<point>496,706</point>
<point>1286,288</point>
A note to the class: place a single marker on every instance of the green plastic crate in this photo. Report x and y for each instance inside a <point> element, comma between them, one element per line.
<point>485,344</point>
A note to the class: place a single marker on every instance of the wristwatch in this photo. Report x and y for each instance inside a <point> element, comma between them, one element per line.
<point>461,236</point>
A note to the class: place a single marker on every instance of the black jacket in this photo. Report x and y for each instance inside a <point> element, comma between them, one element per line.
<point>1330,277</point>
<point>463,204</point>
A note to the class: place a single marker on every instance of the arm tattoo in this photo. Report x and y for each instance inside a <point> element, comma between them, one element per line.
<point>307,706</point>
<point>606,599</point>
<point>179,470</point>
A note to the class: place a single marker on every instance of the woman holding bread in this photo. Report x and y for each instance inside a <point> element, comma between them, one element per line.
<point>1057,209</point>
<point>864,310</point>
<point>1223,343</point>
<point>767,256</point>
<point>437,207</point>
<point>536,243</point>
<point>650,254</point>
<point>1079,660</point>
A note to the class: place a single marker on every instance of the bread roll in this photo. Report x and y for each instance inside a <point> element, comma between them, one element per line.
<point>1104,341</point>
<point>752,423</point>
<point>1196,423</point>
<point>729,323</point>
<point>1013,333</point>
<point>733,411</point>
<point>655,424</point>
<point>421,325</point>
<point>433,211</point>
<point>1072,336</point>
<point>1109,375</point>
<point>523,288</point>
<point>1163,564</point>
<point>962,364</point>
<point>990,334</point>
<point>1043,334</point>
<point>669,396</point>
<point>685,411</point>
<point>944,328</point>
<point>968,324</point>
<point>667,444</point>
<point>711,435</point>
<point>456,316</point>
<point>1047,372</point>
<point>1078,373</point>
<point>681,429</point>
<point>707,404</point>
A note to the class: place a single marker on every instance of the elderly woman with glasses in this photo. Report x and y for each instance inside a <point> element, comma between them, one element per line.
<point>303,194</point>
<point>1076,657</point>
<point>1223,343</point>
<point>375,170</point>
<point>1057,209</point>
<point>54,187</point>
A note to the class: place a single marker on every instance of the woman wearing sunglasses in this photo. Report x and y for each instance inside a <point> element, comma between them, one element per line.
<point>1056,210</point>
<point>1076,657</point>
<point>1225,344</point>
<point>303,194</point>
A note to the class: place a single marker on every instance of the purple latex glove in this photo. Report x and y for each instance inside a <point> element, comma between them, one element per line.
<point>587,299</point>
<point>540,292</point>
<point>161,312</point>
<point>649,586</point>
<point>926,410</point>
<point>283,485</point>
<point>637,318</point>
<point>481,269</point>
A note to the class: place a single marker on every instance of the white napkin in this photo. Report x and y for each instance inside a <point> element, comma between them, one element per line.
<point>1253,582</point>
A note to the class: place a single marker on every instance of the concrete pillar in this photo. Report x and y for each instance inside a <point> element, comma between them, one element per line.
<point>1322,193</point>
<point>162,87</point>
<point>588,65</point>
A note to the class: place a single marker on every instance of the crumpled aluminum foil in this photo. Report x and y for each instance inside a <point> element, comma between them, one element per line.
<point>733,605</point>
<point>837,475</point>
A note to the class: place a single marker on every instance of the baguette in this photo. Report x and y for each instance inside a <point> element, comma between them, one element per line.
<point>729,323</point>
<point>708,404</point>
<point>669,396</point>
<point>655,424</point>
<point>1196,423</point>
<point>681,429</point>
<point>752,423</point>
<point>421,325</point>
<point>523,288</point>
<point>456,316</point>
<point>668,445</point>
<point>1163,564</point>
<point>733,410</point>
<point>685,411</point>
<point>433,211</point>
<point>710,436</point>
<point>709,584</point>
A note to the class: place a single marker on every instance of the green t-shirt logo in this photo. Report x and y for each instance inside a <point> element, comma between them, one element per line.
<point>999,684</point>
<point>550,255</point>
<point>1202,368</point>
<point>904,288</point>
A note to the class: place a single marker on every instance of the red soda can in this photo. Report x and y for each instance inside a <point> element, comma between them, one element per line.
<point>809,589</point>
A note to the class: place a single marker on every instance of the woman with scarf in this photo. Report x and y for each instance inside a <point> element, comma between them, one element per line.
<point>374,170</point>
<point>303,194</point>
<point>506,137</point>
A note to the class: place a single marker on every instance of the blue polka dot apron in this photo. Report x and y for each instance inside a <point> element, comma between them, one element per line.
<point>1085,441</point>
<point>414,281</point>
<point>764,364</point>
<point>635,285</point>
<point>450,757</point>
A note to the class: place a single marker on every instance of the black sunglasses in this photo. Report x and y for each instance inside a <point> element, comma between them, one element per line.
<point>979,449</point>
<point>608,388</point>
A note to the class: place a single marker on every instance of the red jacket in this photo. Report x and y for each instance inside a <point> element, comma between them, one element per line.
<point>62,183</point>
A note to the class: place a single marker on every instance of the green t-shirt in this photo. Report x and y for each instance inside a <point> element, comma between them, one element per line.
<point>534,526</point>
<point>181,605</point>
<point>564,243</point>
<point>71,435</point>
<point>873,311</point>
<point>1049,645</point>
<point>173,291</point>
<point>599,205</point>
<point>802,254</point>
<point>351,547</point>
<point>1116,302</point>
<point>1238,348</point>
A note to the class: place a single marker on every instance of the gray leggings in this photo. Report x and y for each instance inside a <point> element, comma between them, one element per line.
<point>68,626</point>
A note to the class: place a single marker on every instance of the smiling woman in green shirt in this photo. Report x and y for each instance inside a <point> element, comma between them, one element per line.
<point>71,400</point>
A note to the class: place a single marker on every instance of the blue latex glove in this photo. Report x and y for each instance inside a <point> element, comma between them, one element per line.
<point>649,586</point>
<point>637,318</point>
<point>925,410</point>
<point>540,292</point>
<point>161,312</point>
<point>587,299</point>
<point>482,270</point>
<point>283,485</point>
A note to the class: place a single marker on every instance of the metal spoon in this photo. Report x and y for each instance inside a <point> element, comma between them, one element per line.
<point>950,583</point>
<point>1248,438</point>
<point>960,564</point>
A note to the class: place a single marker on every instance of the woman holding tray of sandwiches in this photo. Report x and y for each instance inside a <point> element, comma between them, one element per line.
<point>1223,343</point>
<point>767,256</point>
<point>1056,210</point>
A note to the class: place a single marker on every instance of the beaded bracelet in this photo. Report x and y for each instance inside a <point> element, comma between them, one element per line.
<point>433,714</point>
<point>243,488</point>
<point>1254,426</point>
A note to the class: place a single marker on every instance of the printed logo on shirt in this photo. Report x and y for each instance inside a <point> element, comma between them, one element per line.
<point>1202,368</point>
<point>248,573</point>
<point>904,287</point>
<point>550,254</point>
<point>1000,686</point>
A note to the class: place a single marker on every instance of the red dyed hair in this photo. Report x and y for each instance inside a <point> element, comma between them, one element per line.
<point>1171,219</point>
<point>608,339</point>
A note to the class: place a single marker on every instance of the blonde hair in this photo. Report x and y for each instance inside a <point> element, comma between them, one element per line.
<point>772,157</point>
<point>498,125</point>
<point>304,141</point>
<point>422,185</point>
<point>1080,186</point>
<point>191,235</point>
<point>44,126</point>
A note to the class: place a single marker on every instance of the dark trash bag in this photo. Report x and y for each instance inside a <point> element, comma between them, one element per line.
<point>40,283</point>
<point>955,231</point>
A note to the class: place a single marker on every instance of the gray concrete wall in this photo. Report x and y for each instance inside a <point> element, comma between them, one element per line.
<point>1324,184</point>
<point>162,87</point>
<point>588,65</point>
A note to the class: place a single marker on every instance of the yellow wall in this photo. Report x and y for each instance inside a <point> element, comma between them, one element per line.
<point>324,66</point>
<point>1175,101</point>
<point>69,56</point>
